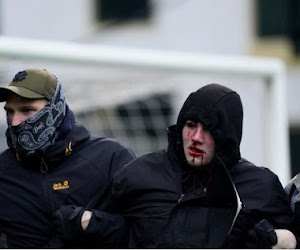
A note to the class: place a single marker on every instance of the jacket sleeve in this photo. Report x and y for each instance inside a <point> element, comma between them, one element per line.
<point>263,198</point>
<point>275,208</point>
<point>120,157</point>
<point>107,230</point>
<point>108,227</point>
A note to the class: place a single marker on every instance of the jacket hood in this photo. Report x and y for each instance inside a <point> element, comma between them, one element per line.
<point>219,109</point>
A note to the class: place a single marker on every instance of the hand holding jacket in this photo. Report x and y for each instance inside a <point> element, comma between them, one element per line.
<point>67,220</point>
<point>263,235</point>
<point>108,230</point>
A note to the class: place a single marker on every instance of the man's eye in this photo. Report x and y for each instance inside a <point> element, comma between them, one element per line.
<point>8,112</point>
<point>190,124</point>
<point>27,110</point>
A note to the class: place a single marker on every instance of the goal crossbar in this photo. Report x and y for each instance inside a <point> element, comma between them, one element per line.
<point>271,70</point>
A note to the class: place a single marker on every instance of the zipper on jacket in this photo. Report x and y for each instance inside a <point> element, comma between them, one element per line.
<point>44,167</point>
<point>181,198</point>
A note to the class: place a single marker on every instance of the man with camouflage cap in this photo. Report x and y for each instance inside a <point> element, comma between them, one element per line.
<point>51,160</point>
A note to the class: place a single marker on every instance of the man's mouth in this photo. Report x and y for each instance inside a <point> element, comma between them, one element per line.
<point>193,151</point>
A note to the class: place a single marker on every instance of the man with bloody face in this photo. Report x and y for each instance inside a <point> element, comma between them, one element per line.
<point>198,144</point>
<point>199,192</point>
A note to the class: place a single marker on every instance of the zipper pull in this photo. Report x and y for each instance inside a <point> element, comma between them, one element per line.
<point>181,198</point>
<point>44,167</point>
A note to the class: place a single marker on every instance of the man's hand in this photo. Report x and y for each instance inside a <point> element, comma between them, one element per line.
<point>85,219</point>
<point>67,220</point>
<point>285,239</point>
<point>261,236</point>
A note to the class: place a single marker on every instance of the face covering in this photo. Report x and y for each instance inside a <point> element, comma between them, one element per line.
<point>31,137</point>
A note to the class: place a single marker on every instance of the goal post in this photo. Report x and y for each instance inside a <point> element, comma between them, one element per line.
<point>121,75</point>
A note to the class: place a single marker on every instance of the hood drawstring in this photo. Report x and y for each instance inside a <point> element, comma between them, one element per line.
<point>68,150</point>
<point>197,181</point>
<point>18,157</point>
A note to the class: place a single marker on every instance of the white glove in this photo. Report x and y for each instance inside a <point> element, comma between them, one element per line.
<point>285,239</point>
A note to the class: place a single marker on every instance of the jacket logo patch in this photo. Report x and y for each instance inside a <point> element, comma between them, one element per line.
<point>60,186</point>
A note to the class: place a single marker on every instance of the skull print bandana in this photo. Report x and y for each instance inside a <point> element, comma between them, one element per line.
<point>31,137</point>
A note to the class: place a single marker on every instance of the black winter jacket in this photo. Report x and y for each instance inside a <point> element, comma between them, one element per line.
<point>30,193</point>
<point>168,207</point>
<point>167,203</point>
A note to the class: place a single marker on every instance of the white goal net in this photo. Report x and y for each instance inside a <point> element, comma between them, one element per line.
<point>134,95</point>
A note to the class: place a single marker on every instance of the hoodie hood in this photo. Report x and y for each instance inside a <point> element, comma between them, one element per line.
<point>219,109</point>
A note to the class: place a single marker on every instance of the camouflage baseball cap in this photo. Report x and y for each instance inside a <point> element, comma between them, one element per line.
<point>31,83</point>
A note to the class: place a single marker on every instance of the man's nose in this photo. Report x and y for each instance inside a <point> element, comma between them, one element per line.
<point>198,135</point>
<point>16,119</point>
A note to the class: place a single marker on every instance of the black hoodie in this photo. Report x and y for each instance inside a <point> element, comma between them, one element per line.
<point>219,109</point>
<point>168,204</point>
